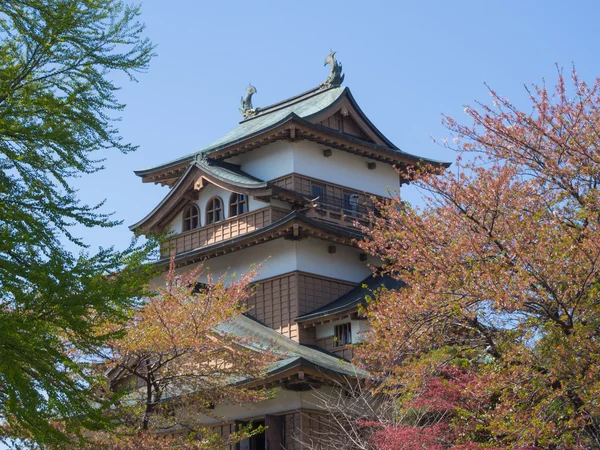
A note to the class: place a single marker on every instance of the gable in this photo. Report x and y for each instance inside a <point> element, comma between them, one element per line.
<point>345,124</point>
<point>199,174</point>
<point>345,116</point>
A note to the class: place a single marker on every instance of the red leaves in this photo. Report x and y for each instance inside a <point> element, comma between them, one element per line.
<point>402,437</point>
<point>445,392</point>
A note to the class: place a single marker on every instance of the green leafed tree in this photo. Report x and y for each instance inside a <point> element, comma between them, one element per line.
<point>58,108</point>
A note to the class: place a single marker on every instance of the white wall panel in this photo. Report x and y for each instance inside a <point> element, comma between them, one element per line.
<point>344,168</point>
<point>268,162</point>
<point>358,328</point>
<point>344,264</point>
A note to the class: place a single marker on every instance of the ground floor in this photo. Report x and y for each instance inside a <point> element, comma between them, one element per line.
<point>293,430</point>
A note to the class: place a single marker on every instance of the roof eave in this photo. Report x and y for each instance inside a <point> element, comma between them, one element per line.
<point>346,309</point>
<point>203,170</point>
<point>192,156</point>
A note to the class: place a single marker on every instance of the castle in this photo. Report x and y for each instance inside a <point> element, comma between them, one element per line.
<point>287,186</point>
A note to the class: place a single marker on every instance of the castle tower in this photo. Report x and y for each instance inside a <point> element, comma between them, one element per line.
<point>286,188</point>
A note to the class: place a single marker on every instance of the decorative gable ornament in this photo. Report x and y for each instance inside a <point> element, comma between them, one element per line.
<point>336,77</point>
<point>247,109</point>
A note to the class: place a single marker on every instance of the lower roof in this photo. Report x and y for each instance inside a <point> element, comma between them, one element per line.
<point>353,298</point>
<point>263,338</point>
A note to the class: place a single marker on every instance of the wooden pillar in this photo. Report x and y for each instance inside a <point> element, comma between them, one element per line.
<point>274,432</point>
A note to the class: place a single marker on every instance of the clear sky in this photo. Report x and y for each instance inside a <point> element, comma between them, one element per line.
<point>406,62</point>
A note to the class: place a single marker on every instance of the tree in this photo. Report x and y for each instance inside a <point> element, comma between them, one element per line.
<point>58,106</point>
<point>174,361</point>
<point>501,266</point>
<point>359,415</point>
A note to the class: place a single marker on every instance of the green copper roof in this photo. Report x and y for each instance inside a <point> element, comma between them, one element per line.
<point>303,105</point>
<point>262,337</point>
<point>353,298</point>
<point>230,173</point>
<point>292,216</point>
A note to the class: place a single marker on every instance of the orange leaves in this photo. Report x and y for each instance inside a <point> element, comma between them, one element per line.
<point>171,362</point>
<point>502,265</point>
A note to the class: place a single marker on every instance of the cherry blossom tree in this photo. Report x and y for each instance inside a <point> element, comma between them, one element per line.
<point>171,364</point>
<point>502,266</point>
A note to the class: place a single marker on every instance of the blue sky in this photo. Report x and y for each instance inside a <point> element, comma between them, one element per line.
<point>407,63</point>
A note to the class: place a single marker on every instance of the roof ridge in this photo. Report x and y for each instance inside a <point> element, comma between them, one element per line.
<point>289,101</point>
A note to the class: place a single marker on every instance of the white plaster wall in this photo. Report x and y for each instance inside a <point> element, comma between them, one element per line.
<point>282,256</point>
<point>344,168</point>
<point>266,163</point>
<point>176,226</point>
<point>253,204</point>
<point>306,158</point>
<point>277,257</point>
<point>284,401</point>
<point>358,328</point>
<point>312,256</point>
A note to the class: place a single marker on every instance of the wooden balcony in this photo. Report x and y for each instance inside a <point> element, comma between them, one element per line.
<point>222,231</point>
<point>332,203</point>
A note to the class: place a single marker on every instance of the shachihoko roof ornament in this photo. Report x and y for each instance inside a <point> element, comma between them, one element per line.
<point>247,109</point>
<point>336,77</point>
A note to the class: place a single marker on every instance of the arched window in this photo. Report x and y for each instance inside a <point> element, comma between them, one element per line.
<point>191,218</point>
<point>238,204</point>
<point>214,210</point>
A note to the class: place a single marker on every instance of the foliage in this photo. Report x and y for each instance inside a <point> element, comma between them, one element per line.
<point>57,111</point>
<point>502,266</point>
<point>174,362</point>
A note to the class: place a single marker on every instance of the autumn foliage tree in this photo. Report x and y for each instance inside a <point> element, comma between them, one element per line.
<point>172,363</point>
<point>502,269</point>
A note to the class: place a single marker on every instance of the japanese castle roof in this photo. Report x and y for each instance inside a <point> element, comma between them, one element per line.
<point>219,172</point>
<point>263,338</point>
<point>230,173</point>
<point>353,298</point>
<point>301,108</point>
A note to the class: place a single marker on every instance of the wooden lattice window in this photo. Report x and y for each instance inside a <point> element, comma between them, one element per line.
<point>238,204</point>
<point>214,210</point>
<point>191,218</point>
<point>318,193</point>
<point>318,190</point>
<point>342,335</point>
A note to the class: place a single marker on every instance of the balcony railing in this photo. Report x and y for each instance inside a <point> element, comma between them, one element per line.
<point>221,231</point>
<point>345,211</point>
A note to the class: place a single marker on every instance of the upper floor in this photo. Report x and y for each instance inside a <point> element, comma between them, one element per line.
<point>315,155</point>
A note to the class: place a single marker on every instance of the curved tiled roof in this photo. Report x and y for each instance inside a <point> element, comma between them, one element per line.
<point>291,217</point>
<point>229,173</point>
<point>303,106</point>
<point>353,298</point>
<point>292,353</point>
